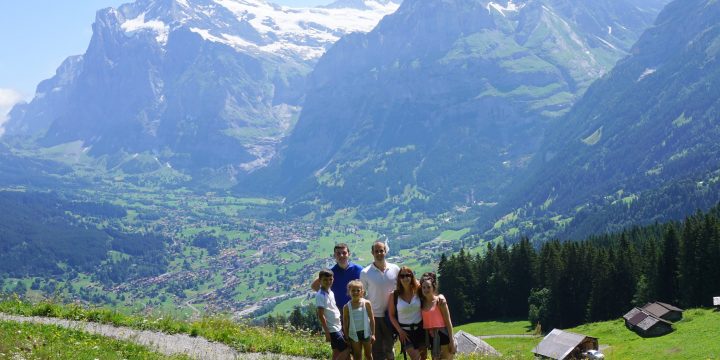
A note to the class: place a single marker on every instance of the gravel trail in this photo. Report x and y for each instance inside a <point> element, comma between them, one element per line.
<point>195,347</point>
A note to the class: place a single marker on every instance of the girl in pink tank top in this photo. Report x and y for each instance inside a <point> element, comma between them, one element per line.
<point>436,319</point>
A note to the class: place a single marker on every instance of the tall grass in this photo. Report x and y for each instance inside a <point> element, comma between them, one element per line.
<point>238,335</point>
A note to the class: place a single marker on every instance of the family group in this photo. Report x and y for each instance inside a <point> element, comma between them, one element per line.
<point>364,310</point>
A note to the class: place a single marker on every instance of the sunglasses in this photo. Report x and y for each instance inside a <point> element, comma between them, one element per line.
<point>405,275</point>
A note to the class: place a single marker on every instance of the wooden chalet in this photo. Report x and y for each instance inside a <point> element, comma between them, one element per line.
<point>563,345</point>
<point>664,311</point>
<point>646,324</point>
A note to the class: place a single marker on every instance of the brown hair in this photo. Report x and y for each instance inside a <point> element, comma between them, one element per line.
<point>414,284</point>
<point>341,246</point>
<point>432,278</point>
<point>325,273</point>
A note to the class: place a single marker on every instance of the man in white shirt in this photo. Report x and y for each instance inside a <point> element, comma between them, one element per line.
<point>379,279</point>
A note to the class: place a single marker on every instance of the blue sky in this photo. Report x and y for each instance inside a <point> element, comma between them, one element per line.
<point>37,35</point>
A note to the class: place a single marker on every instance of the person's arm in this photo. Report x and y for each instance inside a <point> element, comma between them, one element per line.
<point>445,312</point>
<point>392,309</point>
<point>368,306</point>
<point>345,322</point>
<point>315,286</point>
<point>323,323</point>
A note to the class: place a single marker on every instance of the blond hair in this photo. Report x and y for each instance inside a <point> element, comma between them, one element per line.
<point>355,283</point>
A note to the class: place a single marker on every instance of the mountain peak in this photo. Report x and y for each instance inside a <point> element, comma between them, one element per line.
<point>361,4</point>
<point>254,26</point>
<point>505,7</point>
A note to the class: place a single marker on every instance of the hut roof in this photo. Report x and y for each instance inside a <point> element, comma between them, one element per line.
<point>630,314</point>
<point>468,344</point>
<point>642,319</point>
<point>558,344</point>
<point>660,309</point>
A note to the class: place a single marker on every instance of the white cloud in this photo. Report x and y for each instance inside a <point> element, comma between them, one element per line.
<point>8,98</point>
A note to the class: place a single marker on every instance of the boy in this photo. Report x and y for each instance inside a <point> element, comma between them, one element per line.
<point>344,271</point>
<point>329,316</point>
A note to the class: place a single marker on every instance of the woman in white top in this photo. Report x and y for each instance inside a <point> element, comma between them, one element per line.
<point>405,316</point>
<point>359,322</point>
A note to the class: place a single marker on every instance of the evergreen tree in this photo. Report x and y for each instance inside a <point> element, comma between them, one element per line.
<point>481,302</point>
<point>601,294</point>
<point>709,246</point>
<point>573,289</point>
<point>668,288</point>
<point>521,276</point>
<point>454,279</point>
<point>623,276</point>
<point>689,273</point>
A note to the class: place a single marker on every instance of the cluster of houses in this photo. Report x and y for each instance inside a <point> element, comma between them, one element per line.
<point>653,319</point>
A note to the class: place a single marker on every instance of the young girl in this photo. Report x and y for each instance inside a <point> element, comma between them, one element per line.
<point>405,315</point>
<point>436,319</point>
<point>358,321</point>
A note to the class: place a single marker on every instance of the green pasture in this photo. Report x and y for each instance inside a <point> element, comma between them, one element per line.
<point>694,337</point>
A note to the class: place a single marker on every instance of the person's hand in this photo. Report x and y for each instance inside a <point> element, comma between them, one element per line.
<point>372,339</point>
<point>441,299</point>
<point>327,337</point>
<point>404,337</point>
<point>452,346</point>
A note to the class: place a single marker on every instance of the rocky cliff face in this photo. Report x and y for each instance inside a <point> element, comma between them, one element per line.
<point>447,99</point>
<point>649,123</point>
<point>200,84</point>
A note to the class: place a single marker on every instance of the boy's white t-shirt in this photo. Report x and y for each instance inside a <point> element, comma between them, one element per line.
<point>326,301</point>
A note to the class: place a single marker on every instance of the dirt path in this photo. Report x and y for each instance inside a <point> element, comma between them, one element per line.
<point>195,347</point>
<point>507,336</point>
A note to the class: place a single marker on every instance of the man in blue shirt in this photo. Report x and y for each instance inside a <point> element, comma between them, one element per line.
<point>344,271</point>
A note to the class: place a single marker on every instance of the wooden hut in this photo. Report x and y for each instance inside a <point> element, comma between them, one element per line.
<point>664,311</point>
<point>645,324</point>
<point>563,345</point>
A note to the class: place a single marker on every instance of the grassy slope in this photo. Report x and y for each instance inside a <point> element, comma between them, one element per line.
<point>33,341</point>
<point>239,336</point>
<point>695,337</point>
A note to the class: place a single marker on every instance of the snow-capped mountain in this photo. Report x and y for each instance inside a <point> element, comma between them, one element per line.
<point>255,26</point>
<point>199,84</point>
<point>447,100</point>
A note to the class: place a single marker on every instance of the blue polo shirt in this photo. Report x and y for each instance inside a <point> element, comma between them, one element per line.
<point>341,278</point>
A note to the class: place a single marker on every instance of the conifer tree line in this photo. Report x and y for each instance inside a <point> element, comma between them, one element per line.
<point>564,284</point>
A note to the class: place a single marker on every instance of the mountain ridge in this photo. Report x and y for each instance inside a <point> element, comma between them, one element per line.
<point>210,87</point>
<point>642,136</point>
<point>452,69</point>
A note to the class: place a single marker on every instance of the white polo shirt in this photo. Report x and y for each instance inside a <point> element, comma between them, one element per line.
<point>378,285</point>
<point>326,301</point>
